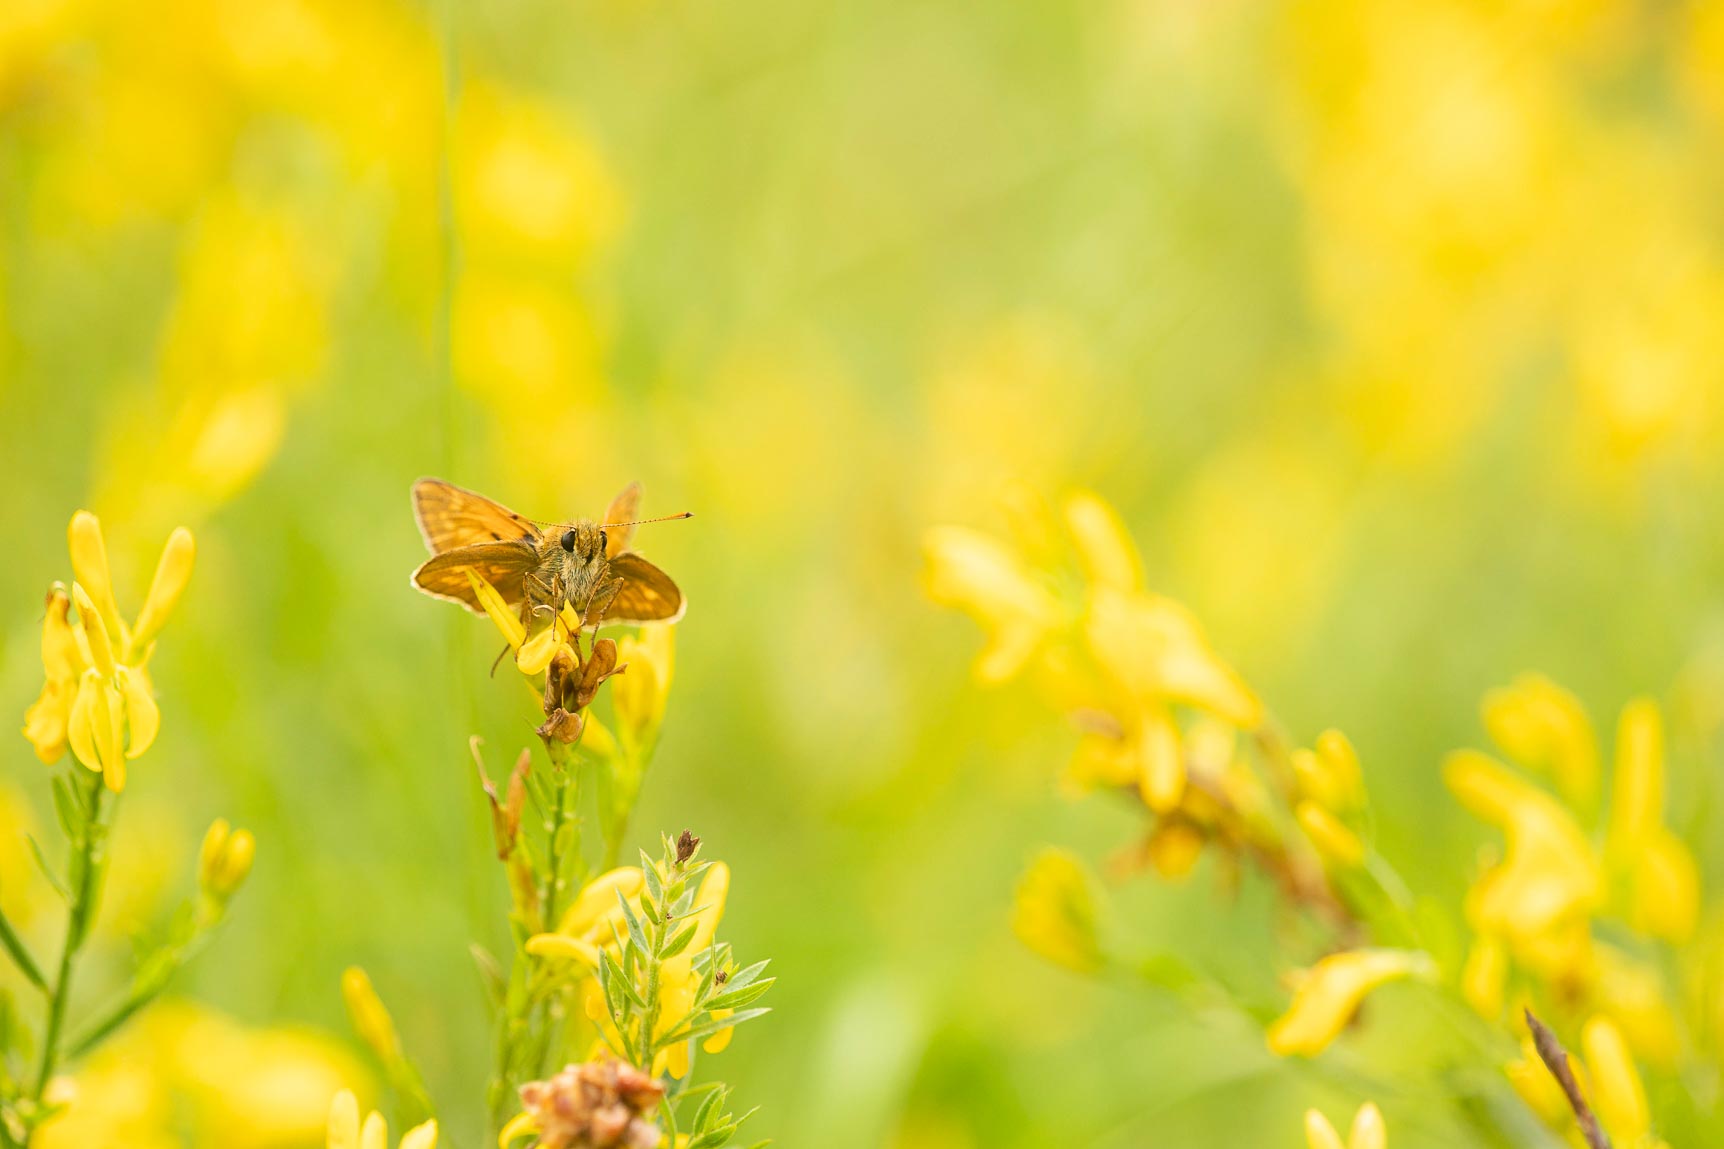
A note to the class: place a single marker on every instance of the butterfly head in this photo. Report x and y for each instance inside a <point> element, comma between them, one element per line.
<point>584,541</point>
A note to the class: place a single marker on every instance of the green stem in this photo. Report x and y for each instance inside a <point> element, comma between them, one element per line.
<point>85,892</point>
<point>561,779</point>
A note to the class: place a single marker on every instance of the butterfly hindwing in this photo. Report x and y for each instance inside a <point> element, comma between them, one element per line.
<point>504,565</point>
<point>647,594</point>
<point>451,517</point>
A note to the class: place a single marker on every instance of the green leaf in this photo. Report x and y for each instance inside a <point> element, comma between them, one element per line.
<point>637,935</point>
<point>709,1111</point>
<point>746,975</point>
<point>680,941</point>
<point>735,998</point>
<point>68,809</point>
<point>47,870</point>
<point>713,1025</point>
<point>649,869</point>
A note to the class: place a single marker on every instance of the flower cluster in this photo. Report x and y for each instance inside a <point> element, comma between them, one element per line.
<point>600,1104</point>
<point>97,700</point>
<point>1566,919</point>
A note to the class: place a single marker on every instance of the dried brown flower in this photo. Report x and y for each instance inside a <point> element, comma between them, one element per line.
<point>597,1104</point>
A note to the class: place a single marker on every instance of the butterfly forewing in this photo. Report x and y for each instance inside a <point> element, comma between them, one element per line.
<point>647,594</point>
<point>451,517</point>
<point>625,508</point>
<point>505,565</point>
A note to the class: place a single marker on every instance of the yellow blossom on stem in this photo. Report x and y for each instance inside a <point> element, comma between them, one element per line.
<point>1544,727</point>
<point>1055,911</point>
<point>1105,551</point>
<point>1485,977</point>
<point>1154,651</point>
<point>370,1016</point>
<point>347,1132</point>
<point>1549,875</point>
<point>1329,994</point>
<point>639,696</point>
<point>225,860</point>
<point>97,698</point>
<point>1329,773</point>
<point>1368,1131</point>
<point>1338,845</point>
<point>982,576</point>
<point>1619,1096</point>
<point>589,924</point>
<point>1656,871</point>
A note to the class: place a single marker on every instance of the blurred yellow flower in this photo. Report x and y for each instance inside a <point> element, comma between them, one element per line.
<point>1619,1096</point>
<point>1055,912</point>
<point>224,860</point>
<point>112,715</point>
<point>1328,995</point>
<point>983,577</point>
<point>1368,1131</point>
<point>1543,727</point>
<point>1660,879</point>
<point>1155,651</point>
<point>1329,773</point>
<point>1338,845</point>
<point>346,1132</point>
<point>370,1016</point>
<point>640,695</point>
<point>592,919</point>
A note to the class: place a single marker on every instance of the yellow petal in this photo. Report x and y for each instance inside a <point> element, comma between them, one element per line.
<point>61,659</point>
<point>536,651</point>
<point>1619,1096</point>
<point>1664,889</point>
<point>172,573</point>
<point>1485,977</point>
<point>1174,848</point>
<point>375,1134</point>
<point>1338,845</point>
<point>720,1041</point>
<point>1108,556</point>
<point>95,632</point>
<point>45,722</point>
<point>1155,651</point>
<point>1544,727</point>
<point>1161,760</point>
<point>107,710</point>
<point>90,567</point>
<point>344,1121</point>
<point>564,946</point>
<point>1332,992</point>
<point>1368,1131</point>
<point>520,1125</point>
<point>80,731</point>
<point>143,716</point>
<point>370,1017</point>
<point>714,889</point>
<point>1319,1134</point>
<point>506,621</point>
<point>982,577</point>
<point>215,841</point>
<point>421,1137</point>
<point>597,901</point>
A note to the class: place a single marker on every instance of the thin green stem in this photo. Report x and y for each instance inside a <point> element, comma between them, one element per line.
<point>562,781</point>
<point>86,889</point>
<point>21,954</point>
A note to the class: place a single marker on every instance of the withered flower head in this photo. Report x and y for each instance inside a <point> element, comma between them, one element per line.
<point>595,1105</point>
<point>686,845</point>
<point>571,685</point>
<point>505,812</point>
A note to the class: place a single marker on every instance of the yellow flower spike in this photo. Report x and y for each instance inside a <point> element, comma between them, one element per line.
<point>1618,1094</point>
<point>1332,991</point>
<point>1055,912</point>
<point>1485,977</point>
<point>506,621</point>
<point>981,576</point>
<point>1106,552</point>
<point>1161,761</point>
<point>90,568</point>
<point>143,716</point>
<point>1319,1134</point>
<point>370,1017</point>
<point>1544,727</point>
<point>95,632</point>
<point>1154,650</point>
<point>1339,846</point>
<point>172,573</point>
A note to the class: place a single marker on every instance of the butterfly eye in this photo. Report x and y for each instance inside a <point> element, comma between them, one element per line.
<point>603,543</point>
<point>569,541</point>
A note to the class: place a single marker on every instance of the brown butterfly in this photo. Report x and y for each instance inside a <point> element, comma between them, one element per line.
<point>585,565</point>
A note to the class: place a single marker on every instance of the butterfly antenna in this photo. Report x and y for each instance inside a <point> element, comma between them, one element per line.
<point>660,519</point>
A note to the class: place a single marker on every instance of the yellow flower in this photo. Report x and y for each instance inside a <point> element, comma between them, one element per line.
<point>1658,874</point>
<point>591,921</point>
<point>1368,1131</point>
<point>1485,977</point>
<point>1155,652</point>
<point>1544,727</point>
<point>225,860</point>
<point>346,1132</point>
<point>97,698</point>
<point>1330,773</point>
<point>640,695</point>
<point>370,1016</point>
<point>982,576</point>
<point>1330,993</point>
<point>1108,556</point>
<point>1055,911</point>
<point>1549,876</point>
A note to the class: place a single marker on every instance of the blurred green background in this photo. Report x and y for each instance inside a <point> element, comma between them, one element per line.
<point>1392,330</point>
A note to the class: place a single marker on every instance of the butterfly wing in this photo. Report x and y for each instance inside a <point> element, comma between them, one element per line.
<point>647,594</point>
<point>504,565</point>
<point>625,508</point>
<point>451,517</point>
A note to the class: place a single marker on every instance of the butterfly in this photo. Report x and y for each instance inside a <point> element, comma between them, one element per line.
<point>536,566</point>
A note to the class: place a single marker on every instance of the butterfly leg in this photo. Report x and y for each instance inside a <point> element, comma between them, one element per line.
<point>601,602</point>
